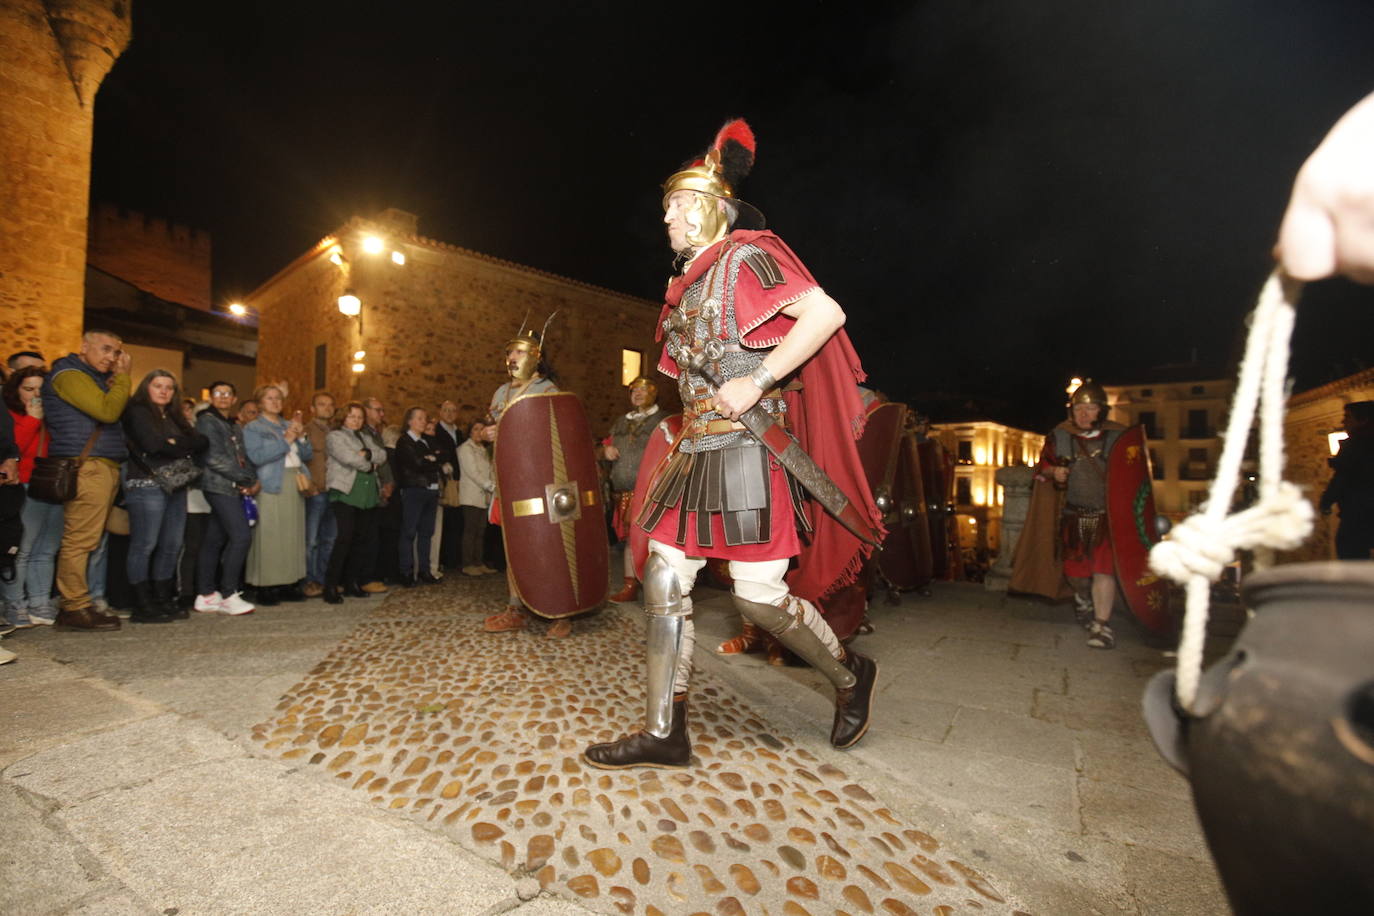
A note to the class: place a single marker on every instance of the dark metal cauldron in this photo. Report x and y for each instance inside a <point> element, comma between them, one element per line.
<point>1280,750</point>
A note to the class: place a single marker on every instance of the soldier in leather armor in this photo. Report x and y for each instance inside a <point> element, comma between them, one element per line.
<point>747,306</point>
<point>1075,459</point>
<point>624,448</point>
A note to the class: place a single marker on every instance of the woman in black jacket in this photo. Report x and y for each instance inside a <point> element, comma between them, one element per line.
<point>416,466</point>
<point>229,477</point>
<point>159,438</point>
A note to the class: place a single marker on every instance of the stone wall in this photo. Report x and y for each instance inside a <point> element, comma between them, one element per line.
<point>1311,416</point>
<point>168,260</point>
<point>435,327</point>
<point>54,54</point>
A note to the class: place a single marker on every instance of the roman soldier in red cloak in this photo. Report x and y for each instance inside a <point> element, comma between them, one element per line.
<point>746,311</point>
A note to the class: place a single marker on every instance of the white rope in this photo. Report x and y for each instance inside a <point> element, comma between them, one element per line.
<point>1203,544</point>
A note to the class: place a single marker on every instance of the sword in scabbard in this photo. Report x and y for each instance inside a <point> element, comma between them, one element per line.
<point>799,464</point>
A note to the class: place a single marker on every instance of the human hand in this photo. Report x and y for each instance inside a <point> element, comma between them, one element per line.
<point>255,489</point>
<point>611,452</point>
<point>489,434</point>
<point>35,408</point>
<point>448,468</point>
<point>387,490</point>
<point>9,470</point>
<point>123,363</point>
<point>1329,225</point>
<point>1061,474</point>
<point>736,396</point>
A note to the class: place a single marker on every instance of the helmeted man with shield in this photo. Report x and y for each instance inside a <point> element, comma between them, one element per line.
<point>1067,528</point>
<point>529,375</point>
<point>768,382</point>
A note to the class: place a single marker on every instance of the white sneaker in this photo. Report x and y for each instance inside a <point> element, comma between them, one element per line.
<point>208,604</point>
<point>6,656</point>
<point>235,605</point>
<point>45,617</point>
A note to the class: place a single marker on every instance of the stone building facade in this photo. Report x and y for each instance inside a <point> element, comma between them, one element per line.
<point>1311,418</point>
<point>169,260</point>
<point>980,448</point>
<point>55,54</point>
<point>1183,419</point>
<point>434,322</point>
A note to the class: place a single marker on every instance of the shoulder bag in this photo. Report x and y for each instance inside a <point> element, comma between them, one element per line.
<point>54,479</point>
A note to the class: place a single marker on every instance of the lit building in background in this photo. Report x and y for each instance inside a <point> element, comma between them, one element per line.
<point>1183,419</point>
<point>375,308</point>
<point>979,448</point>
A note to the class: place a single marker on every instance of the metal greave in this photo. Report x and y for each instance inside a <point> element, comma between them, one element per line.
<point>789,629</point>
<point>663,606</point>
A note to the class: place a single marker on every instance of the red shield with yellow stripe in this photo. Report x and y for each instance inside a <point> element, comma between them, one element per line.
<point>553,522</point>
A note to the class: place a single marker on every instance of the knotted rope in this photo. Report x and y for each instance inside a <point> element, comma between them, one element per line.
<point>1203,544</point>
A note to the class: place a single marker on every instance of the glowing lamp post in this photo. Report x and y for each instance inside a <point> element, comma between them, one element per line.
<point>350,304</point>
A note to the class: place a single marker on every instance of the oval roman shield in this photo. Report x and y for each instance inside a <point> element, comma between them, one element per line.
<point>552,517</point>
<point>1131,521</point>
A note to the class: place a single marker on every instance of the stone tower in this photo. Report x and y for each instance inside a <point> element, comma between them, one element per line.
<point>55,53</point>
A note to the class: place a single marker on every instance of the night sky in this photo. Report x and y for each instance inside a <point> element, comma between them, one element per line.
<point>1000,194</point>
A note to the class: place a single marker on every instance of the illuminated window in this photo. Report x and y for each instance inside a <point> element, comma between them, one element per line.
<point>398,258</point>
<point>631,365</point>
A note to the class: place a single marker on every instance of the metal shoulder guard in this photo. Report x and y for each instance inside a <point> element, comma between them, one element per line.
<point>765,267</point>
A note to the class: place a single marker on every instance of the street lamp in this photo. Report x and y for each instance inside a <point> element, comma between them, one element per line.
<point>350,304</point>
<point>238,309</point>
<point>373,245</point>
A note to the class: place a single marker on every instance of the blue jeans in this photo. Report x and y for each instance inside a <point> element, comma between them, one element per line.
<point>36,562</point>
<point>418,505</point>
<point>95,567</point>
<point>227,538</point>
<point>321,528</point>
<point>157,523</point>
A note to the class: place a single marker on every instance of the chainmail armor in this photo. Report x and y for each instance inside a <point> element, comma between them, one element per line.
<point>694,323</point>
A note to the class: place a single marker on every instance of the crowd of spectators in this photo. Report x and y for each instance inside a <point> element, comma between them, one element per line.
<point>220,507</point>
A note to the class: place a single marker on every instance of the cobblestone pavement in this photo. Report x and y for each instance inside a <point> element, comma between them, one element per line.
<point>479,735</point>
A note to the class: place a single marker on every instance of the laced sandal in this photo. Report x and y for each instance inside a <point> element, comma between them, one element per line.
<point>559,629</point>
<point>1100,636</point>
<point>512,618</point>
<point>749,641</point>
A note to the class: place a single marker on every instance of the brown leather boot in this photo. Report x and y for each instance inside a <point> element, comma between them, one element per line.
<point>853,704</point>
<point>645,750</point>
<point>629,593</point>
<point>86,619</point>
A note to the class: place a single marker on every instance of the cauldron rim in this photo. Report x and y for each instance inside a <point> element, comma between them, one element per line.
<point>1356,573</point>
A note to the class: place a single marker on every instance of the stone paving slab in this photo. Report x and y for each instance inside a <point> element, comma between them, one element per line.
<point>130,755</point>
<point>43,870</point>
<point>240,836</point>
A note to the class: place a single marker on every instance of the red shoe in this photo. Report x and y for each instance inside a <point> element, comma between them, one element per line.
<point>512,618</point>
<point>749,640</point>
<point>629,593</point>
<point>560,629</point>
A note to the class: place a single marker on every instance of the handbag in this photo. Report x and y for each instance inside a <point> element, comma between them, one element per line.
<point>304,484</point>
<point>177,474</point>
<point>54,479</point>
<point>448,494</point>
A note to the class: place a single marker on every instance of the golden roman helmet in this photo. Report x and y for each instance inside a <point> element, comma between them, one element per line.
<point>650,390</point>
<point>522,356</point>
<point>1090,392</point>
<point>713,177</point>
